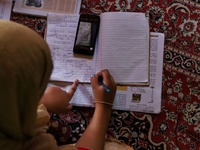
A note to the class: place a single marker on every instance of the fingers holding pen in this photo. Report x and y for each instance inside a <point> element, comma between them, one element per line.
<point>107,79</point>
<point>103,76</point>
<point>97,79</point>
<point>103,86</point>
<point>94,80</point>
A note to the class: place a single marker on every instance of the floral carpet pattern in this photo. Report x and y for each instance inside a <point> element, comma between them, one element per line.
<point>177,127</point>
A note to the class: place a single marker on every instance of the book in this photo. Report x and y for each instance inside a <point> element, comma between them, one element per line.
<point>122,48</point>
<point>130,98</point>
<point>42,7</point>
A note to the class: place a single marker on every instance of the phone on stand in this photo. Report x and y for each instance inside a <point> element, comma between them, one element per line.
<point>86,34</point>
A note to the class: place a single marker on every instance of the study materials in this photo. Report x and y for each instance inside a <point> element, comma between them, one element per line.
<point>122,48</point>
<point>130,98</point>
<point>5,9</point>
<point>42,7</point>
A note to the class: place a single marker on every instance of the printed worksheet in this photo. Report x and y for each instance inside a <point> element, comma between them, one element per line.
<point>42,7</point>
<point>131,98</point>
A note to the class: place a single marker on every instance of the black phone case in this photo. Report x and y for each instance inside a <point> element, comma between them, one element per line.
<point>89,49</point>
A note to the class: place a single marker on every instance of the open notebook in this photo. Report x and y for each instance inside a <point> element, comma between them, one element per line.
<point>122,48</point>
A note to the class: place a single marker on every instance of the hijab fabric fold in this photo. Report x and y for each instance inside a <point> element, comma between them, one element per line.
<point>25,68</point>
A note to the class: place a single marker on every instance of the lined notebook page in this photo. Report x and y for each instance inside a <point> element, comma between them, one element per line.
<point>123,47</point>
<point>60,36</point>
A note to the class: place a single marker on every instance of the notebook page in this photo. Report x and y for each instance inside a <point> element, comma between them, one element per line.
<point>5,9</point>
<point>60,36</point>
<point>123,46</point>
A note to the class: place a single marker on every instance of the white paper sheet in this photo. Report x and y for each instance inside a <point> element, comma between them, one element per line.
<point>5,9</point>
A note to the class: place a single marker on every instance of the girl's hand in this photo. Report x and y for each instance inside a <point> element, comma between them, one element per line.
<point>100,93</point>
<point>56,100</point>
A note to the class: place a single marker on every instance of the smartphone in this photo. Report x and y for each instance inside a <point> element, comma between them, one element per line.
<point>86,34</point>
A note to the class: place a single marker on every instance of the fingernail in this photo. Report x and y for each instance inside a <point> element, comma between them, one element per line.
<point>76,81</point>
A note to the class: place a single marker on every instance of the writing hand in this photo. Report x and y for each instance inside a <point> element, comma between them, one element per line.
<point>100,93</point>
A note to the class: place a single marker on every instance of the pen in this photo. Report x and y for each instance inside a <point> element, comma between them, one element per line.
<point>102,84</point>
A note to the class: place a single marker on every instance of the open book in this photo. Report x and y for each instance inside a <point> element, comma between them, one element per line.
<point>122,48</point>
<point>42,7</point>
<point>132,98</point>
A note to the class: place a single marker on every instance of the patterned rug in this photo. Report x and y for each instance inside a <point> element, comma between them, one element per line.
<point>177,127</point>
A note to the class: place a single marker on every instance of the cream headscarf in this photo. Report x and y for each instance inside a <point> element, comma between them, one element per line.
<point>25,68</point>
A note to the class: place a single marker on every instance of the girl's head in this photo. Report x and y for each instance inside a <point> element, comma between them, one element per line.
<point>25,68</point>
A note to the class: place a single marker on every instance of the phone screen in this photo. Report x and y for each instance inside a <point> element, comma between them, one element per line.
<point>86,34</point>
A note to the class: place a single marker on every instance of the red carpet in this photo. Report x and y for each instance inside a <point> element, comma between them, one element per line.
<point>177,127</point>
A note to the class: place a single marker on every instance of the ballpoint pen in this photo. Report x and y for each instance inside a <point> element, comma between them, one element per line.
<point>102,84</point>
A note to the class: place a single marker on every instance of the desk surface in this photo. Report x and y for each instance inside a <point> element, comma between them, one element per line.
<point>178,124</point>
